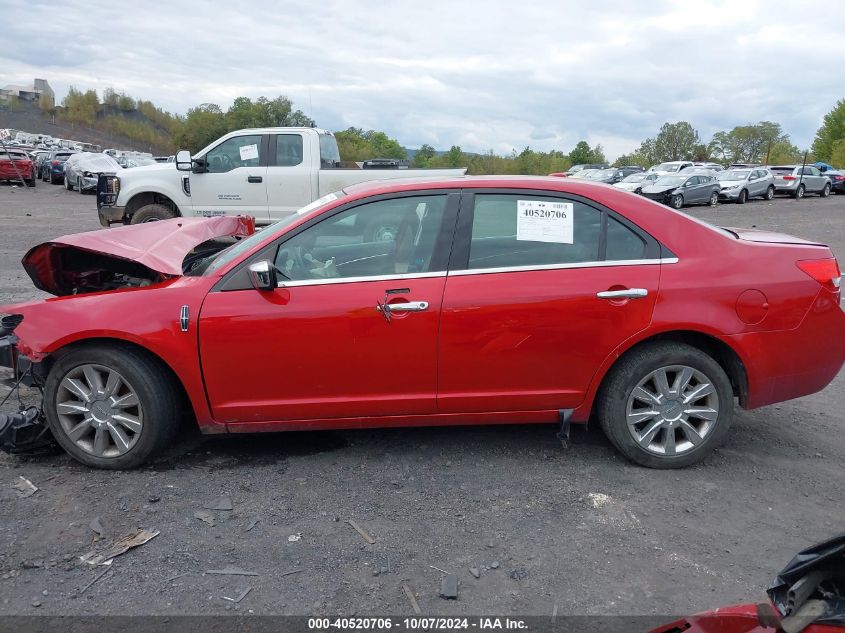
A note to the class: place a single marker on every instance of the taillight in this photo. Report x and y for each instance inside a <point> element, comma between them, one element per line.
<point>788,177</point>
<point>839,177</point>
<point>55,162</point>
<point>825,271</point>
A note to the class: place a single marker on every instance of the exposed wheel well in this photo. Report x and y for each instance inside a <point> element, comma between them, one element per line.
<point>121,344</point>
<point>713,347</point>
<point>149,197</point>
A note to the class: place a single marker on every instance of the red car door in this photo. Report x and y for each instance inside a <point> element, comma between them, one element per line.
<point>352,329</point>
<point>543,289</point>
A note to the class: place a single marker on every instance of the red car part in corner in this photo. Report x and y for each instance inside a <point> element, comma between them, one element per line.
<point>432,303</point>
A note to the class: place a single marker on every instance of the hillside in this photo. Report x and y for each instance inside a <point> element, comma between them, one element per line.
<point>30,119</point>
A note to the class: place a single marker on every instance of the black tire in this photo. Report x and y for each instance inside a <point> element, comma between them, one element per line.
<point>825,192</point>
<point>158,397</point>
<point>68,184</point>
<point>79,186</point>
<point>623,378</point>
<point>770,193</point>
<point>676,201</point>
<point>152,213</point>
<point>743,197</point>
<point>30,182</point>
<point>799,193</point>
<point>714,199</point>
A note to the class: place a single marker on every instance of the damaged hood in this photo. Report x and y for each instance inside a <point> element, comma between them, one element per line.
<point>149,250</point>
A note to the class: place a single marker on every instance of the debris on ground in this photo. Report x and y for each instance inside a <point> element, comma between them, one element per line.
<point>293,538</point>
<point>251,525</point>
<point>598,499</point>
<point>361,531</point>
<point>475,572</point>
<point>449,587</point>
<point>412,599</point>
<point>239,597</point>
<point>519,574</point>
<point>182,575</point>
<point>231,571</point>
<point>96,578</point>
<point>97,527</point>
<point>205,516</point>
<point>120,546</point>
<point>153,498</point>
<point>442,571</point>
<point>291,572</point>
<point>223,504</point>
<point>494,565</point>
<point>24,487</point>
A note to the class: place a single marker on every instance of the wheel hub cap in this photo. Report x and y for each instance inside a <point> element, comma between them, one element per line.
<point>672,410</point>
<point>99,411</point>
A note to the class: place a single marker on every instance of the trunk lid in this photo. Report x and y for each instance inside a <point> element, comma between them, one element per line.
<point>769,237</point>
<point>126,256</point>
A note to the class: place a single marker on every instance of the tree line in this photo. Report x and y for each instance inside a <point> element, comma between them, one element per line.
<point>762,142</point>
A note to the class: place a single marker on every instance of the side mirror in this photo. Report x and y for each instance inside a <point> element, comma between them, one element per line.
<point>183,160</point>
<point>263,275</point>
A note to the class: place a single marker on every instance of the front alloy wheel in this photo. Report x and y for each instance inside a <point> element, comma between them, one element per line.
<point>770,193</point>
<point>714,199</point>
<point>677,201</point>
<point>110,406</point>
<point>99,410</point>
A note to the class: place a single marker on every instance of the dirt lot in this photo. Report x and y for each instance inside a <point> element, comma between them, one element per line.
<point>576,531</point>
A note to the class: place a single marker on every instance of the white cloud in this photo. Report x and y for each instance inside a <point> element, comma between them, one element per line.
<point>481,74</point>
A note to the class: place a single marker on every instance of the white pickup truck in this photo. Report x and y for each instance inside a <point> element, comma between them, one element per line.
<point>267,173</point>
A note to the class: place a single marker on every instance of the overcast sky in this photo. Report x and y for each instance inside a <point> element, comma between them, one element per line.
<point>483,75</point>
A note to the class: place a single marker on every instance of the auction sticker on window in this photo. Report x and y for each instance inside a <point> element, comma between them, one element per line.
<point>544,221</point>
<point>249,152</point>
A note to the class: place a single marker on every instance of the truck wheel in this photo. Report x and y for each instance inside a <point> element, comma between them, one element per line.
<point>152,213</point>
<point>666,405</point>
<point>110,407</point>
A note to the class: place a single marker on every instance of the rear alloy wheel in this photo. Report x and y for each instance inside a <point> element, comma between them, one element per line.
<point>676,201</point>
<point>743,197</point>
<point>714,199</point>
<point>110,407</point>
<point>770,193</point>
<point>799,193</point>
<point>825,192</point>
<point>152,213</point>
<point>666,405</point>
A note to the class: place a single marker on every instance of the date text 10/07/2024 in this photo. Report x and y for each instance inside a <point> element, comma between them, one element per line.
<point>417,623</point>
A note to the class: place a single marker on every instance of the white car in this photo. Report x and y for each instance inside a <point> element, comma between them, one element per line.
<point>671,167</point>
<point>636,182</point>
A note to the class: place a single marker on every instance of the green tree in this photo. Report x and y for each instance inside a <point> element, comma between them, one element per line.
<point>423,156</point>
<point>125,103</point>
<point>356,145</point>
<point>831,131</point>
<point>46,104</point>
<point>676,141</point>
<point>783,152</point>
<point>581,153</point>
<point>202,125</point>
<point>837,154</point>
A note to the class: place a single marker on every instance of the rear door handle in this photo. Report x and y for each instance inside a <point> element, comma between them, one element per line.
<point>628,293</point>
<point>254,179</point>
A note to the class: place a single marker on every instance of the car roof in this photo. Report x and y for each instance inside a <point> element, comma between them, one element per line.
<point>549,183</point>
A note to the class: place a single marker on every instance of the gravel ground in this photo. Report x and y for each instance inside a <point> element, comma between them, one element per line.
<point>575,531</point>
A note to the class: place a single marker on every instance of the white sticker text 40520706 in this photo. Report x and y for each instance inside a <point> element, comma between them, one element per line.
<point>544,221</point>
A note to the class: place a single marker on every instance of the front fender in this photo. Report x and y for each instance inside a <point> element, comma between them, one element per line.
<point>147,317</point>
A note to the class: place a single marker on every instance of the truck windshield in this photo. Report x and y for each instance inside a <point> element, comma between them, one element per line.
<point>329,154</point>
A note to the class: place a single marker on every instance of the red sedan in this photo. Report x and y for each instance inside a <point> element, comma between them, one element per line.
<point>465,301</point>
<point>16,164</point>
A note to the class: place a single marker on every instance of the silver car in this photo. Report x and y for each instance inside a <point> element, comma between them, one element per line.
<point>798,180</point>
<point>738,185</point>
<point>678,190</point>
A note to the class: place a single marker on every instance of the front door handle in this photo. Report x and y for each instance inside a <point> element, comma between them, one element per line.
<point>254,179</point>
<point>627,293</point>
<point>410,306</point>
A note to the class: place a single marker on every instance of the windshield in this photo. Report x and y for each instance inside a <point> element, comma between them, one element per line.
<point>634,178</point>
<point>221,258</point>
<point>675,181</point>
<point>599,174</point>
<point>673,167</point>
<point>734,174</point>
